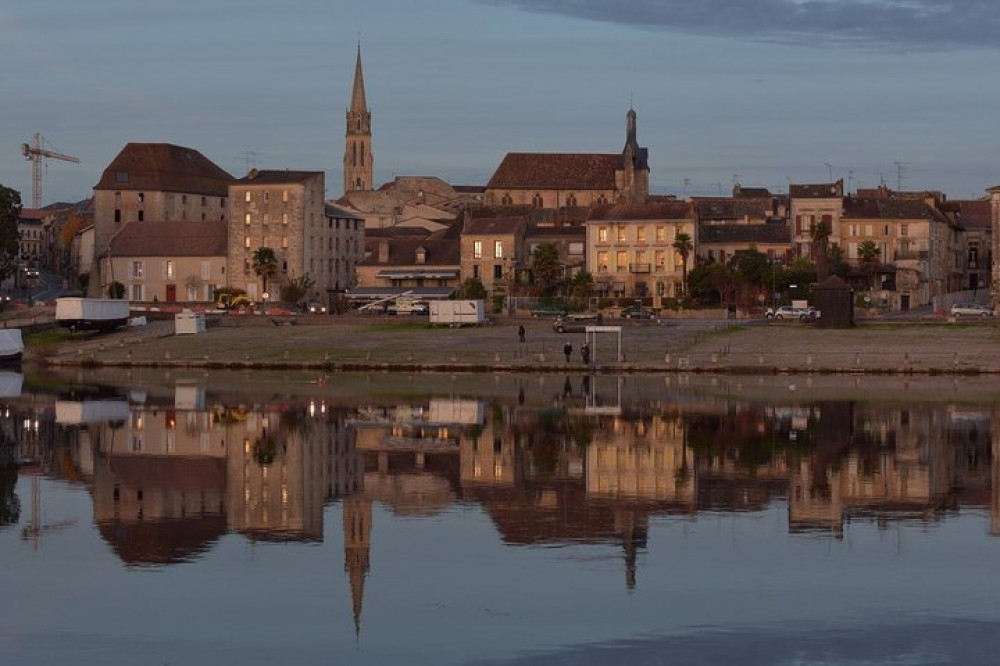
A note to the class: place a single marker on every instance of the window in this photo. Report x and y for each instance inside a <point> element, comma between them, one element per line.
<point>576,249</point>
<point>477,249</point>
<point>140,215</point>
<point>118,214</point>
<point>621,261</point>
<point>536,201</point>
<point>661,234</point>
<point>284,242</point>
<point>497,272</point>
<point>498,249</point>
<point>206,270</point>
<point>640,234</point>
<point>661,258</point>
<point>622,234</point>
<point>602,261</point>
<point>246,242</point>
<point>284,195</point>
<point>247,196</point>
<point>284,218</point>
<point>904,230</point>
<point>135,272</point>
<point>246,218</point>
<point>192,294</point>
<point>571,200</point>
<point>204,201</point>
<point>142,197</point>
<point>602,235</point>
<point>506,199</point>
<point>475,271</point>
<point>170,270</point>
<point>267,218</point>
<point>136,293</point>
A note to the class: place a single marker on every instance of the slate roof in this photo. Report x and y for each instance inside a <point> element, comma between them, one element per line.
<point>672,210</point>
<point>164,167</point>
<point>185,238</point>
<point>277,177</point>
<point>740,192</point>
<point>721,209</point>
<point>764,234</point>
<point>890,209</point>
<point>441,251</point>
<point>492,226</point>
<point>564,171</point>
<point>815,191</point>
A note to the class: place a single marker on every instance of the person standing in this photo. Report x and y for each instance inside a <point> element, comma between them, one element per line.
<point>585,353</point>
<point>568,350</point>
<point>520,333</point>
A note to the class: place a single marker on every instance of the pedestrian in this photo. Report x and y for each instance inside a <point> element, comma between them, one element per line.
<point>585,353</point>
<point>568,351</point>
<point>520,333</point>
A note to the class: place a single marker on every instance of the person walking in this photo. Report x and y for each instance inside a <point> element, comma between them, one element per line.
<point>585,353</point>
<point>520,333</point>
<point>568,351</point>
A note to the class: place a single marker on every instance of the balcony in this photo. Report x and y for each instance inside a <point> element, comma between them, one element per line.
<point>904,255</point>
<point>640,268</point>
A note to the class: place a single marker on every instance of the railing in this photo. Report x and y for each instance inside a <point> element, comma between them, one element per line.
<point>639,268</point>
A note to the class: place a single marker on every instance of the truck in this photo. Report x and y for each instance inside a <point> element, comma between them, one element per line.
<point>91,314</point>
<point>457,313</point>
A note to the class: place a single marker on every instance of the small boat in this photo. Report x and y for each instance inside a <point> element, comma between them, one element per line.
<point>11,346</point>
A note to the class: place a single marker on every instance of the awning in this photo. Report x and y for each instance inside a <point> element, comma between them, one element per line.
<point>421,293</point>
<point>419,274</point>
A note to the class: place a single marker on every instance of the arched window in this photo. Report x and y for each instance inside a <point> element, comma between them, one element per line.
<point>357,185</point>
<point>571,200</point>
<point>602,200</point>
<point>536,201</point>
<point>354,154</point>
<point>506,199</point>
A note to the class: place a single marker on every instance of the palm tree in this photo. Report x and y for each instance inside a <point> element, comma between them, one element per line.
<point>265,264</point>
<point>868,253</point>
<point>683,246</point>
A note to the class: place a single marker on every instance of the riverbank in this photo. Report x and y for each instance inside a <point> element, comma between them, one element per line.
<point>354,343</point>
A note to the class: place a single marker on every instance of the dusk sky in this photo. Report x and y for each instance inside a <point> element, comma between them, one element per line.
<point>765,92</point>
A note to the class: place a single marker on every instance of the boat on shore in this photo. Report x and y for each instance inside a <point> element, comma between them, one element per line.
<point>11,346</point>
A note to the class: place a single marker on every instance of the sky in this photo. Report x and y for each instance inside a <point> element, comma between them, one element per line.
<point>760,92</point>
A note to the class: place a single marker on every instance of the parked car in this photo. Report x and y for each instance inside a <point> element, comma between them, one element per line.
<point>637,312</point>
<point>576,322</point>
<point>547,310</point>
<point>790,312</point>
<point>959,310</point>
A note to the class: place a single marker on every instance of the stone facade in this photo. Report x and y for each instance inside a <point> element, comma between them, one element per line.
<point>810,205</point>
<point>359,165</point>
<point>493,251</point>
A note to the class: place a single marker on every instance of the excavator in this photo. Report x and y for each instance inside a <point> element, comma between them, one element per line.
<point>233,300</point>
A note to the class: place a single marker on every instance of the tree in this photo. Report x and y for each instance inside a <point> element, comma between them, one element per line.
<point>820,233</point>
<point>683,246</point>
<point>472,289</point>
<point>10,239</point>
<point>265,264</point>
<point>582,285</point>
<point>868,253</point>
<point>547,269</point>
<point>294,291</point>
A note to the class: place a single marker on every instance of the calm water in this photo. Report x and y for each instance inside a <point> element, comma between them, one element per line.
<point>257,519</point>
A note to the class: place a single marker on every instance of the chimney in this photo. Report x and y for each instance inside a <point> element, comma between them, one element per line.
<point>383,251</point>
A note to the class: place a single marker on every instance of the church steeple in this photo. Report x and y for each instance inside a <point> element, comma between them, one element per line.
<point>632,173</point>
<point>358,161</point>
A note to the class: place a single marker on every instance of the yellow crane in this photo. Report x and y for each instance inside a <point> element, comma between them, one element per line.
<point>34,153</point>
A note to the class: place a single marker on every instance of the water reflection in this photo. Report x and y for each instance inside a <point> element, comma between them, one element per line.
<point>577,460</point>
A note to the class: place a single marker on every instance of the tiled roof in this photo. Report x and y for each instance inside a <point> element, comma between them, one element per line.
<point>403,252</point>
<point>277,177</point>
<point>31,215</point>
<point>185,238</point>
<point>673,210</point>
<point>163,167</point>
<point>492,226</point>
<point>771,234</point>
<point>562,231</point>
<point>565,171</point>
<point>720,209</point>
<point>975,214</point>
<point>741,192</point>
<point>889,208</point>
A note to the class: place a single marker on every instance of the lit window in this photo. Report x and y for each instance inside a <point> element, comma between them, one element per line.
<point>640,234</point>
<point>170,268</point>
<point>284,242</point>
<point>477,249</point>
<point>622,234</point>
<point>602,235</point>
<point>246,242</point>
<point>284,218</point>
<point>246,218</point>
<point>661,234</point>
<point>284,195</point>
<point>247,195</point>
<point>498,249</point>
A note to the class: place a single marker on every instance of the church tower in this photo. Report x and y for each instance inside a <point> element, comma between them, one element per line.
<point>357,549</point>
<point>358,163</point>
<point>632,174</point>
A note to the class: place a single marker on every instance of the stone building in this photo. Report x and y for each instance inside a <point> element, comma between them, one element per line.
<point>409,260</point>
<point>154,181</point>
<point>492,251</point>
<point>810,205</point>
<point>557,180</point>
<point>180,261</point>
<point>284,211</point>
<point>630,248</point>
<point>976,218</point>
<point>994,193</point>
<point>359,165</point>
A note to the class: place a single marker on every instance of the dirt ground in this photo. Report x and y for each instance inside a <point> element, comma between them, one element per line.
<point>357,342</point>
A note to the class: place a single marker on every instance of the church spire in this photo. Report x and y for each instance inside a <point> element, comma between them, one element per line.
<point>358,161</point>
<point>358,102</point>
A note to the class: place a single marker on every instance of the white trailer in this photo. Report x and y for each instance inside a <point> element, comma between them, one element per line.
<point>457,313</point>
<point>103,314</point>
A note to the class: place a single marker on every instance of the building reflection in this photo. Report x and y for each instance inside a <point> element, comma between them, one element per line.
<point>173,472</point>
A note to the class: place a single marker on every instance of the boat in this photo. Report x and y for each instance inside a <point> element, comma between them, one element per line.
<point>11,346</point>
<point>101,314</point>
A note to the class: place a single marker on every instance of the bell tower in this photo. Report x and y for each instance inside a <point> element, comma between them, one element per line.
<point>358,162</point>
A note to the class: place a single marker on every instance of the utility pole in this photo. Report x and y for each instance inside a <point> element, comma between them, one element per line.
<point>829,169</point>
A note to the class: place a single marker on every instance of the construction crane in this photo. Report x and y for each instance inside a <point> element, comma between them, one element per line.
<point>34,153</point>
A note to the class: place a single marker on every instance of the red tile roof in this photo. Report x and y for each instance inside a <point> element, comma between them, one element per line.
<point>975,214</point>
<point>171,239</point>
<point>403,252</point>
<point>547,171</point>
<point>163,167</point>
<point>277,177</point>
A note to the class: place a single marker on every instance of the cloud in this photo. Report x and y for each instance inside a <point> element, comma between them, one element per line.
<point>893,25</point>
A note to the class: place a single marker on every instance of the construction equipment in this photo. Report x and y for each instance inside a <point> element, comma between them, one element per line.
<point>231,301</point>
<point>34,153</point>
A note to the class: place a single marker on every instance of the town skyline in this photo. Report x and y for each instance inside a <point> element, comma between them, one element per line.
<point>793,97</point>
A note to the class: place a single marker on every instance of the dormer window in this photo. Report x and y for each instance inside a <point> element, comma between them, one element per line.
<point>421,255</point>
